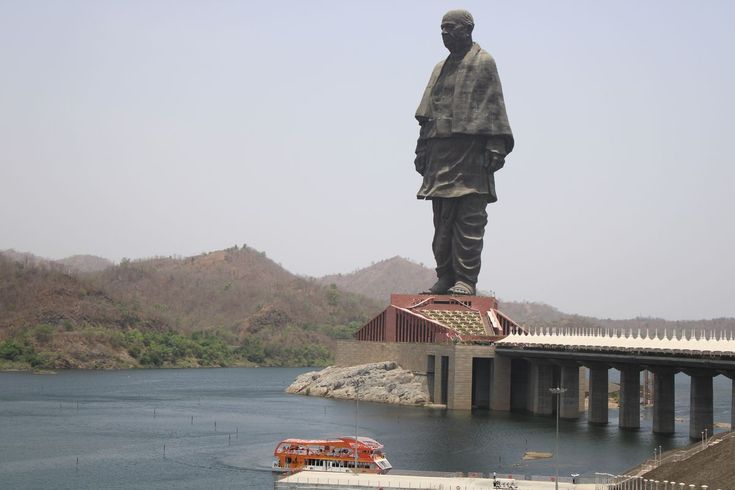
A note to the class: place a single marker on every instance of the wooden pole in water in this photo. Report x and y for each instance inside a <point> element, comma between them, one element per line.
<point>164,451</point>
<point>229,439</point>
<point>192,420</point>
<point>237,432</point>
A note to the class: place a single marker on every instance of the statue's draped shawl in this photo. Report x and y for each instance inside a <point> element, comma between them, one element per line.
<point>478,107</point>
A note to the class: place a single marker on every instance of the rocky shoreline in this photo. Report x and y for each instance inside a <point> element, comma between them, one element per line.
<point>383,382</point>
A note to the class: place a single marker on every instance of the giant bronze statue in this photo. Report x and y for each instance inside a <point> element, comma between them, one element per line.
<point>463,140</point>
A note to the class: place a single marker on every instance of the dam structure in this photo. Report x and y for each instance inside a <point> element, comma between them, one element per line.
<point>474,356</point>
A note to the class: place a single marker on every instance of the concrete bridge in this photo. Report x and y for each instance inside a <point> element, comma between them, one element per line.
<point>474,356</point>
<point>527,364</point>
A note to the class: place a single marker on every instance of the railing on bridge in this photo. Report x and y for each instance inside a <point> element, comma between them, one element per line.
<point>719,343</point>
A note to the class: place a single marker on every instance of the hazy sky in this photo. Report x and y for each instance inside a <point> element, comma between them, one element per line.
<point>140,128</point>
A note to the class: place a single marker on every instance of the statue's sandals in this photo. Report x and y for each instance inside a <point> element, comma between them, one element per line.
<point>462,289</point>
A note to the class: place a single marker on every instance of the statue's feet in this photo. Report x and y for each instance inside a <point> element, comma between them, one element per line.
<point>440,287</point>
<point>462,289</point>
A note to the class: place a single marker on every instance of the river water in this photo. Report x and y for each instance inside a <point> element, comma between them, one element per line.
<point>108,429</point>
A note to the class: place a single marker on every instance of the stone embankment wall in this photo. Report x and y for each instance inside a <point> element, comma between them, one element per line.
<point>417,358</point>
<point>411,356</point>
<point>460,375</point>
<point>384,382</point>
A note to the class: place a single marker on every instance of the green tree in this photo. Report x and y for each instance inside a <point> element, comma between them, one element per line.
<point>11,350</point>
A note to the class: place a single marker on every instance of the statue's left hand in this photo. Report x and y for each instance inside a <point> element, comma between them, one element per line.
<point>420,163</point>
<point>494,160</point>
<point>420,160</point>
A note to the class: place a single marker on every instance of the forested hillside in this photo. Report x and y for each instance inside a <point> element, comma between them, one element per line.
<point>230,307</point>
<point>223,308</point>
<point>238,289</point>
<point>51,319</point>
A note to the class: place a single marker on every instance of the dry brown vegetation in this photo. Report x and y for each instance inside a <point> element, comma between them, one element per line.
<point>236,289</point>
<point>712,467</point>
<point>44,294</point>
<point>51,319</point>
<point>230,307</point>
<point>227,307</point>
<point>380,280</point>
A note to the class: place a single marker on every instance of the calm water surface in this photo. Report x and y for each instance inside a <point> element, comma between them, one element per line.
<point>220,426</point>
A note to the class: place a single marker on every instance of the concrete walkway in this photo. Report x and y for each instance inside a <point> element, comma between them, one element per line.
<point>326,480</point>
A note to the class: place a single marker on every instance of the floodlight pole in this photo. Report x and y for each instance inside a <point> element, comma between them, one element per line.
<point>557,391</point>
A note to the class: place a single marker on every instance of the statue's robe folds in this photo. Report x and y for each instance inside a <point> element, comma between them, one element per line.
<point>462,115</point>
<point>471,114</point>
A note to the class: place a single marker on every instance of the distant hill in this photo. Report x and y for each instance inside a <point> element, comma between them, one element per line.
<point>85,263</point>
<point>46,294</point>
<point>237,289</point>
<point>75,263</point>
<point>49,318</point>
<point>23,257</point>
<point>379,280</point>
<point>267,315</point>
<point>229,307</point>
<point>537,314</point>
<point>223,308</point>
<point>542,315</point>
<point>401,275</point>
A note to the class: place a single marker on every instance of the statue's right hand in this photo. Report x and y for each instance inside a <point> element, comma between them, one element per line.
<point>493,160</point>
<point>420,162</point>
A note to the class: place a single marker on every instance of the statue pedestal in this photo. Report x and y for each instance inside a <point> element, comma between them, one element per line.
<point>445,301</point>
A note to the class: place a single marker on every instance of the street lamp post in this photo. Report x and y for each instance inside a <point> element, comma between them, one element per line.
<point>557,391</point>
<point>357,411</point>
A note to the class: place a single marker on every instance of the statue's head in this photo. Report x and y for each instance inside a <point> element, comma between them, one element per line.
<point>457,28</point>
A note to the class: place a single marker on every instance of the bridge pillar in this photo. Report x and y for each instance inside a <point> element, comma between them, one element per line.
<point>500,390</point>
<point>520,373</point>
<point>630,397</point>
<point>569,403</point>
<point>663,401</point>
<point>731,375</point>
<point>597,409</point>
<point>540,379</point>
<point>700,404</point>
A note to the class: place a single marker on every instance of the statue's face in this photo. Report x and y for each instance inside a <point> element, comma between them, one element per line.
<point>454,34</point>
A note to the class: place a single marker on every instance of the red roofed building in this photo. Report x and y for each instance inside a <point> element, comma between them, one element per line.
<point>448,339</point>
<point>438,319</point>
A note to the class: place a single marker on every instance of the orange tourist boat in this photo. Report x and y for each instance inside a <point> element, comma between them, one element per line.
<point>331,455</point>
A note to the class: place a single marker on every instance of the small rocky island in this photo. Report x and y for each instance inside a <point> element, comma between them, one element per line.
<point>383,382</point>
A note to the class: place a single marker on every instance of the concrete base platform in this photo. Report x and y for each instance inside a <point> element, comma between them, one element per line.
<point>326,480</point>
